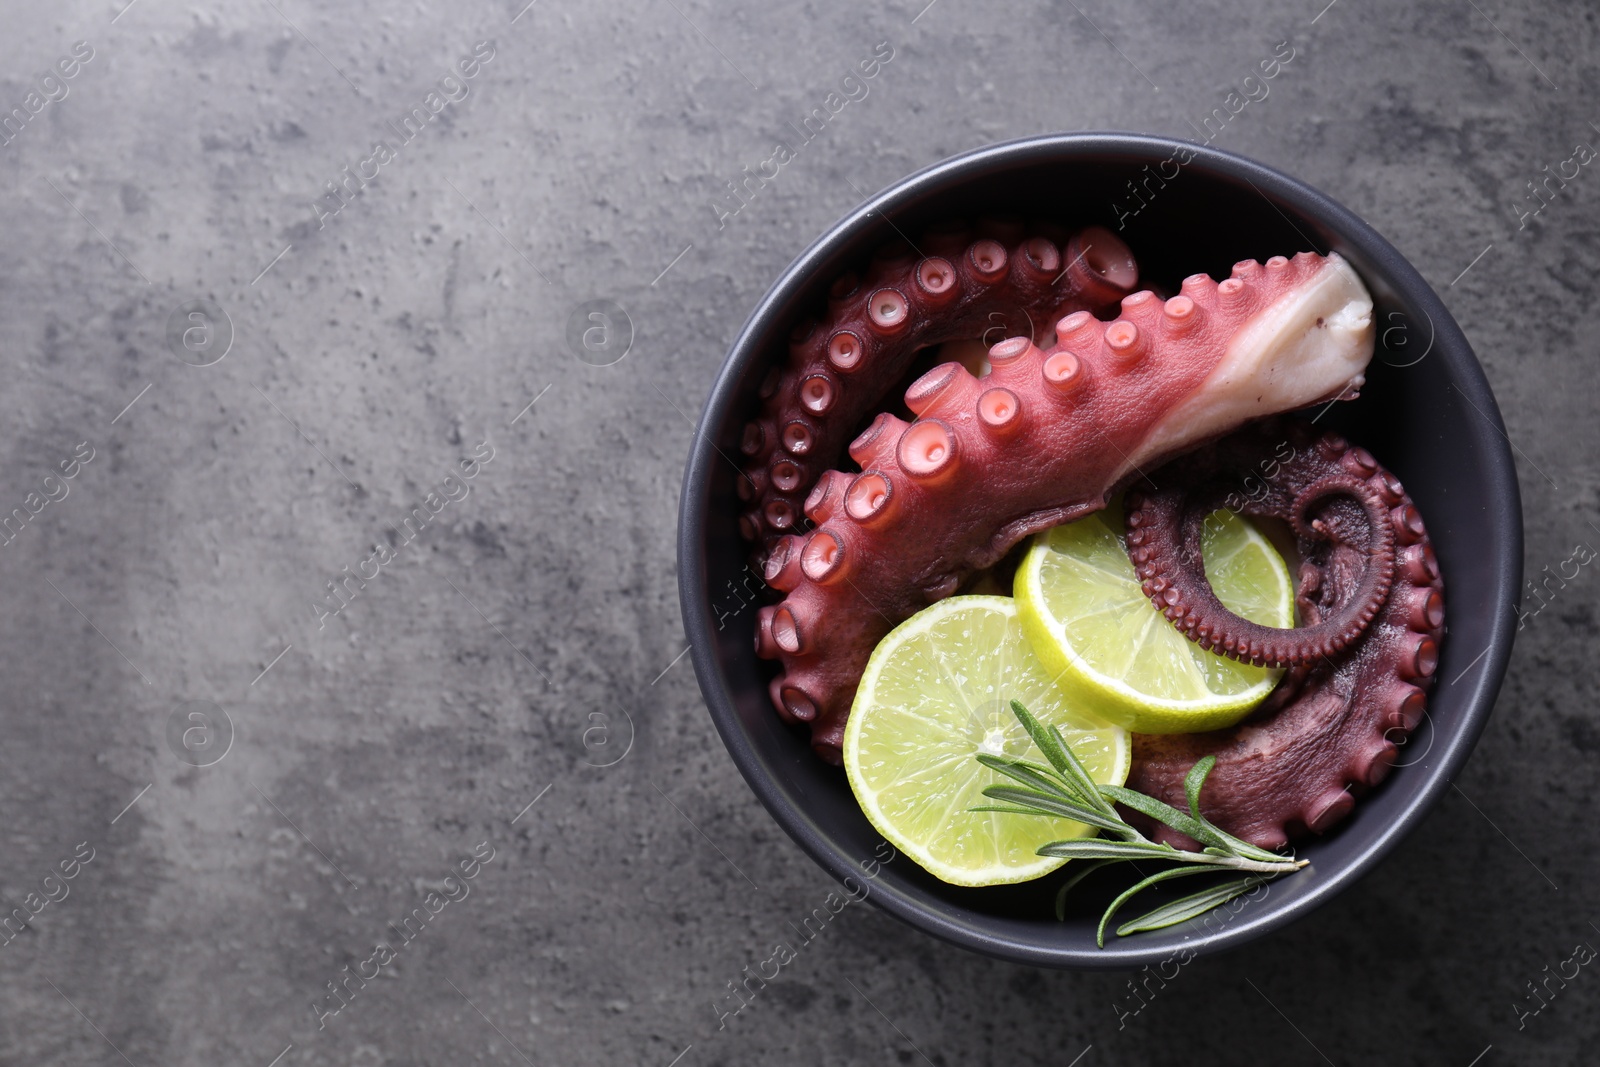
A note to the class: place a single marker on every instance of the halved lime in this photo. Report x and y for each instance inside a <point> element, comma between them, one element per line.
<point>1099,635</point>
<point>936,692</point>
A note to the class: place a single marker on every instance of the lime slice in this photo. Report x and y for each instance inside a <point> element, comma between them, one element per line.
<point>1095,630</point>
<point>936,692</point>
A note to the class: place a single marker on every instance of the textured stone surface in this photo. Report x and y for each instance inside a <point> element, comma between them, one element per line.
<point>388,342</point>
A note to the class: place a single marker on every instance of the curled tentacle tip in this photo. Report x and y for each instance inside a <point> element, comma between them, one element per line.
<point>1361,662</point>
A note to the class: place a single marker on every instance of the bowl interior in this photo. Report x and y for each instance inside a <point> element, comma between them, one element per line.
<point>1426,413</point>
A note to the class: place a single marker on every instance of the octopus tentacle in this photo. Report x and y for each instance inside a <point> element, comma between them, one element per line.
<point>1044,437</point>
<point>1330,731</point>
<point>1164,532</point>
<point>841,368</point>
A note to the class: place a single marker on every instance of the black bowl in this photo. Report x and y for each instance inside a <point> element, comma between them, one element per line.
<point>1426,413</point>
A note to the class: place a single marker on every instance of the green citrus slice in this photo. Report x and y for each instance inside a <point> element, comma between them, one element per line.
<point>936,692</point>
<point>1095,630</point>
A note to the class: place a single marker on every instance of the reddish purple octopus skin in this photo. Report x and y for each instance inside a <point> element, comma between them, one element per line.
<point>1370,599</point>
<point>1043,438</point>
<point>842,367</point>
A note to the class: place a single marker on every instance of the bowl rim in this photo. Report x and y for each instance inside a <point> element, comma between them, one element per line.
<point>946,922</point>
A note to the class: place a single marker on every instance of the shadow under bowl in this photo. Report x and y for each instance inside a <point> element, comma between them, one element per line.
<point>1426,412</point>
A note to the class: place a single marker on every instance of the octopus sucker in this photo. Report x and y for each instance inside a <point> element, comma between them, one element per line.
<point>1048,435</point>
<point>1362,661</point>
<point>842,366</point>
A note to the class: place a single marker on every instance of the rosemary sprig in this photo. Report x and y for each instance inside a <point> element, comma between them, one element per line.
<point>1065,790</point>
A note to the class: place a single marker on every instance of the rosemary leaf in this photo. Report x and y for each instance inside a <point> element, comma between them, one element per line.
<point>1192,783</point>
<point>1006,808</point>
<point>1099,848</point>
<point>1191,906</point>
<point>1056,754</point>
<point>1245,849</point>
<point>1090,788</point>
<point>1163,813</point>
<point>1138,887</point>
<point>1027,775</point>
<point>1045,804</point>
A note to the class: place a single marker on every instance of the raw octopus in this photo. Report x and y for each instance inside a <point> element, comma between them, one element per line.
<point>1046,437</point>
<point>839,371</point>
<point>1371,606</point>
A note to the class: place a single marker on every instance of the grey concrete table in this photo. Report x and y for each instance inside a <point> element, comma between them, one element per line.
<point>259,707</point>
